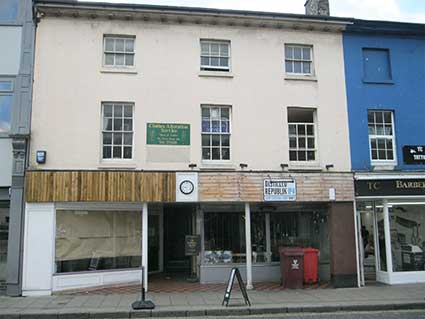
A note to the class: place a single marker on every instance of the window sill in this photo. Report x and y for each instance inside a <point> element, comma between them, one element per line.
<point>117,164</point>
<point>301,78</point>
<point>118,70</point>
<point>366,81</point>
<point>380,166</point>
<point>217,166</point>
<point>215,74</point>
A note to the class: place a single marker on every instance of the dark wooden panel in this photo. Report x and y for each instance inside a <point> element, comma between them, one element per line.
<point>100,186</point>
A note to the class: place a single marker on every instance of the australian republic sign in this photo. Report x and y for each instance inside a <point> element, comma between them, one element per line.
<point>280,190</point>
<point>390,187</point>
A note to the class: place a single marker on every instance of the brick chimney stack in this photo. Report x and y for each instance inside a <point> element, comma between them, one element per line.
<point>317,7</point>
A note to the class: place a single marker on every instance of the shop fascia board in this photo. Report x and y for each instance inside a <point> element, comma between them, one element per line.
<point>191,16</point>
<point>390,175</point>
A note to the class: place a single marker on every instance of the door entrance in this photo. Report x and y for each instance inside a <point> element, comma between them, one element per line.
<point>177,224</point>
<point>367,247</point>
<point>154,246</point>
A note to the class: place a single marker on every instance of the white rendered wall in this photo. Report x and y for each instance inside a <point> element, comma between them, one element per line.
<point>69,88</point>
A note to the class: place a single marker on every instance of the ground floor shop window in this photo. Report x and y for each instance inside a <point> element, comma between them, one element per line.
<point>407,229</point>
<point>4,235</point>
<point>303,229</point>
<point>224,238</point>
<point>225,235</point>
<point>382,251</point>
<point>97,240</point>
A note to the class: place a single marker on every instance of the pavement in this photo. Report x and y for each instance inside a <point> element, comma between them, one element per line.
<point>199,304</point>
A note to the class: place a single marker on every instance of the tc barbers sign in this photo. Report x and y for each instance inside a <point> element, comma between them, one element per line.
<point>280,190</point>
<point>390,187</point>
<point>414,154</point>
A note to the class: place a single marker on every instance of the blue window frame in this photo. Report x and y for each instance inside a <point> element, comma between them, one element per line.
<point>6,100</point>
<point>377,65</point>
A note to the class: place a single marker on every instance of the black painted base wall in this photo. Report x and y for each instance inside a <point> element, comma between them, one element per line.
<point>344,281</point>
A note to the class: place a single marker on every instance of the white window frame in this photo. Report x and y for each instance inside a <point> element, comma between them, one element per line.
<point>114,52</point>
<point>306,149</point>
<point>293,60</point>
<point>208,68</point>
<point>391,137</point>
<point>122,131</point>
<point>214,161</point>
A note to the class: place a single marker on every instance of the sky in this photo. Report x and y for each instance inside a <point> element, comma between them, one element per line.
<point>389,10</point>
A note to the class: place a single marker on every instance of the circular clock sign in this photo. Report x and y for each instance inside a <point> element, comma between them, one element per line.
<point>186,187</point>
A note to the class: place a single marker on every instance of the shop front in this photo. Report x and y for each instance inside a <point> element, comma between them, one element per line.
<point>272,225</point>
<point>93,228</point>
<point>391,211</point>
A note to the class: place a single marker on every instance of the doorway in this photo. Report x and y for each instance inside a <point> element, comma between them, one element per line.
<point>154,243</point>
<point>178,222</point>
<point>372,250</point>
<point>366,246</point>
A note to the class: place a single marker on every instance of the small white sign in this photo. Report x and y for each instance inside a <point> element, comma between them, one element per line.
<point>295,264</point>
<point>280,190</point>
<point>186,187</point>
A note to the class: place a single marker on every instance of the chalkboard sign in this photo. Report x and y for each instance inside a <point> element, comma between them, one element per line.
<point>192,245</point>
<point>235,273</point>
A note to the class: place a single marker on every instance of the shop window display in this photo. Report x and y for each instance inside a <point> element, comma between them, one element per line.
<point>296,230</point>
<point>407,229</point>
<point>97,240</point>
<point>224,238</point>
<point>225,235</point>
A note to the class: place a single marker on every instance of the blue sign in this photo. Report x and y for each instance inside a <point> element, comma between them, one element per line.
<point>280,190</point>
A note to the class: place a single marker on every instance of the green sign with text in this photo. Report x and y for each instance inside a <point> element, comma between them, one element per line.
<point>168,134</point>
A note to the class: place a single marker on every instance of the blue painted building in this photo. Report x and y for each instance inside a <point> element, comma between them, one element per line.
<point>385,83</point>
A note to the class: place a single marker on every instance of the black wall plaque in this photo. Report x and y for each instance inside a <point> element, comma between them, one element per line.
<point>414,154</point>
<point>192,245</point>
<point>390,187</point>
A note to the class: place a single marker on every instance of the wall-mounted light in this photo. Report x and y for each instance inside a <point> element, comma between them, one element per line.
<point>40,157</point>
<point>243,165</point>
<point>284,165</point>
<point>328,166</point>
<point>192,165</point>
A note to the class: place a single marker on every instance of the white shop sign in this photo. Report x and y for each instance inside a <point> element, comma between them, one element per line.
<point>280,190</point>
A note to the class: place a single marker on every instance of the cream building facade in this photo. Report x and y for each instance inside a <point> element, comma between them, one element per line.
<point>237,100</point>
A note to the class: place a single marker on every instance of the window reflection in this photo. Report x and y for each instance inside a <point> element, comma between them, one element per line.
<point>407,225</point>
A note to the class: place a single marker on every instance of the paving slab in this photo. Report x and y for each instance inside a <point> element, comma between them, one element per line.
<point>200,304</point>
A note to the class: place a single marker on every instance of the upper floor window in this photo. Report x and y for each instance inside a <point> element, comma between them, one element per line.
<point>9,10</point>
<point>215,133</point>
<point>117,130</point>
<point>299,59</point>
<point>381,136</point>
<point>302,137</point>
<point>118,51</point>
<point>6,99</point>
<point>215,55</point>
<point>377,65</point>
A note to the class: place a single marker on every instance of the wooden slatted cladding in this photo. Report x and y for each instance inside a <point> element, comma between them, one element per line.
<point>248,187</point>
<point>100,186</point>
